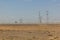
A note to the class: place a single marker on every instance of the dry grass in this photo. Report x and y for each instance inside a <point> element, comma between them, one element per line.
<point>30,27</point>
<point>30,32</point>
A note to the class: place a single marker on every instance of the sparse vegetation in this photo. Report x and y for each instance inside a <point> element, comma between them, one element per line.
<point>26,32</point>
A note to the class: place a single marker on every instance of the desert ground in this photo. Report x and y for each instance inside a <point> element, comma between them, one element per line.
<point>30,32</point>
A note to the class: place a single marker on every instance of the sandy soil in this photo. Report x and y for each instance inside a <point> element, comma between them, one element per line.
<point>50,27</point>
<point>30,32</point>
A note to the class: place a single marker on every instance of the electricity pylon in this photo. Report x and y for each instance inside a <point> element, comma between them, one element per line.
<point>21,21</point>
<point>47,17</point>
<point>40,21</point>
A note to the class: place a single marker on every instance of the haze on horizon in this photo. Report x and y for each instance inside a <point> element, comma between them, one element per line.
<point>28,10</point>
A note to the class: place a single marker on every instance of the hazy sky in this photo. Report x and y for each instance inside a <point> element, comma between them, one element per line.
<point>11,10</point>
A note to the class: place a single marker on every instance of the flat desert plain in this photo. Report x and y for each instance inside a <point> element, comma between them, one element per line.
<point>30,32</point>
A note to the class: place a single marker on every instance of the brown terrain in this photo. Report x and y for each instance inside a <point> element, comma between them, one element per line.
<point>29,32</point>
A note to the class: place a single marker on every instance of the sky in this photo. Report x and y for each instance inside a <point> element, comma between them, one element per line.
<point>28,10</point>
